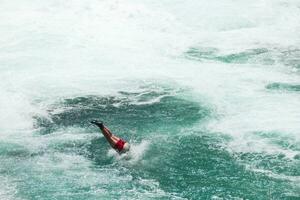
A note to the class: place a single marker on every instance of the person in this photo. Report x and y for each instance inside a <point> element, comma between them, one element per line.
<point>120,145</point>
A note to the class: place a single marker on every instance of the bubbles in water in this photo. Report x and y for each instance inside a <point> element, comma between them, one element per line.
<point>134,155</point>
<point>63,63</point>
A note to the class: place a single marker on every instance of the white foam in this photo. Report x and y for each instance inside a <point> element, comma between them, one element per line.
<point>135,154</point>
<point>8,190</point>
<point>55,49</point>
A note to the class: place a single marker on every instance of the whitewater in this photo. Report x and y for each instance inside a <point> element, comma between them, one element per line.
<point>206,92</point>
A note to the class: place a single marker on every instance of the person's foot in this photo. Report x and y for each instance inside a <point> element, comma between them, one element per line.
<point>97,123</point>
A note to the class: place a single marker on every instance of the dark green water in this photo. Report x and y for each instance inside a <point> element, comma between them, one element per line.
<point>206,93</point>
<point>178,161</point>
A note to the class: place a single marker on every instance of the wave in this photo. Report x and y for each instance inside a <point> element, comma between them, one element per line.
<point>266,56</point>
<point>283,87</point>
<point>138,111</point>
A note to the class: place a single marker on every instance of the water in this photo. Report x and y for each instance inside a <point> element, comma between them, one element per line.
<point>207,93</point>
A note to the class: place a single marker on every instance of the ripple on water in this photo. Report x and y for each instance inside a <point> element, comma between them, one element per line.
<point>267,56</point>
<point>197,165</point>
<point>129,111</point>
<point>283,87</point>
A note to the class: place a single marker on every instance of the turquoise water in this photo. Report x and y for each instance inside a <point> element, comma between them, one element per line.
<point>206,92</point>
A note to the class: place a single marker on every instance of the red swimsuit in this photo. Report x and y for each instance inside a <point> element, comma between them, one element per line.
<point>120,145</point>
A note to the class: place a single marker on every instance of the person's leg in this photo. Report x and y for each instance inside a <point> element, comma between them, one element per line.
<point>109,136</point>
<point>106,130</point>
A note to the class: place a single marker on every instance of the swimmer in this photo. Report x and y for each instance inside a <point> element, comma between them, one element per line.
<point>120,145</point>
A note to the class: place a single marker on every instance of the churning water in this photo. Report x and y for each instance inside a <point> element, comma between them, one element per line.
<point>207,93</point>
